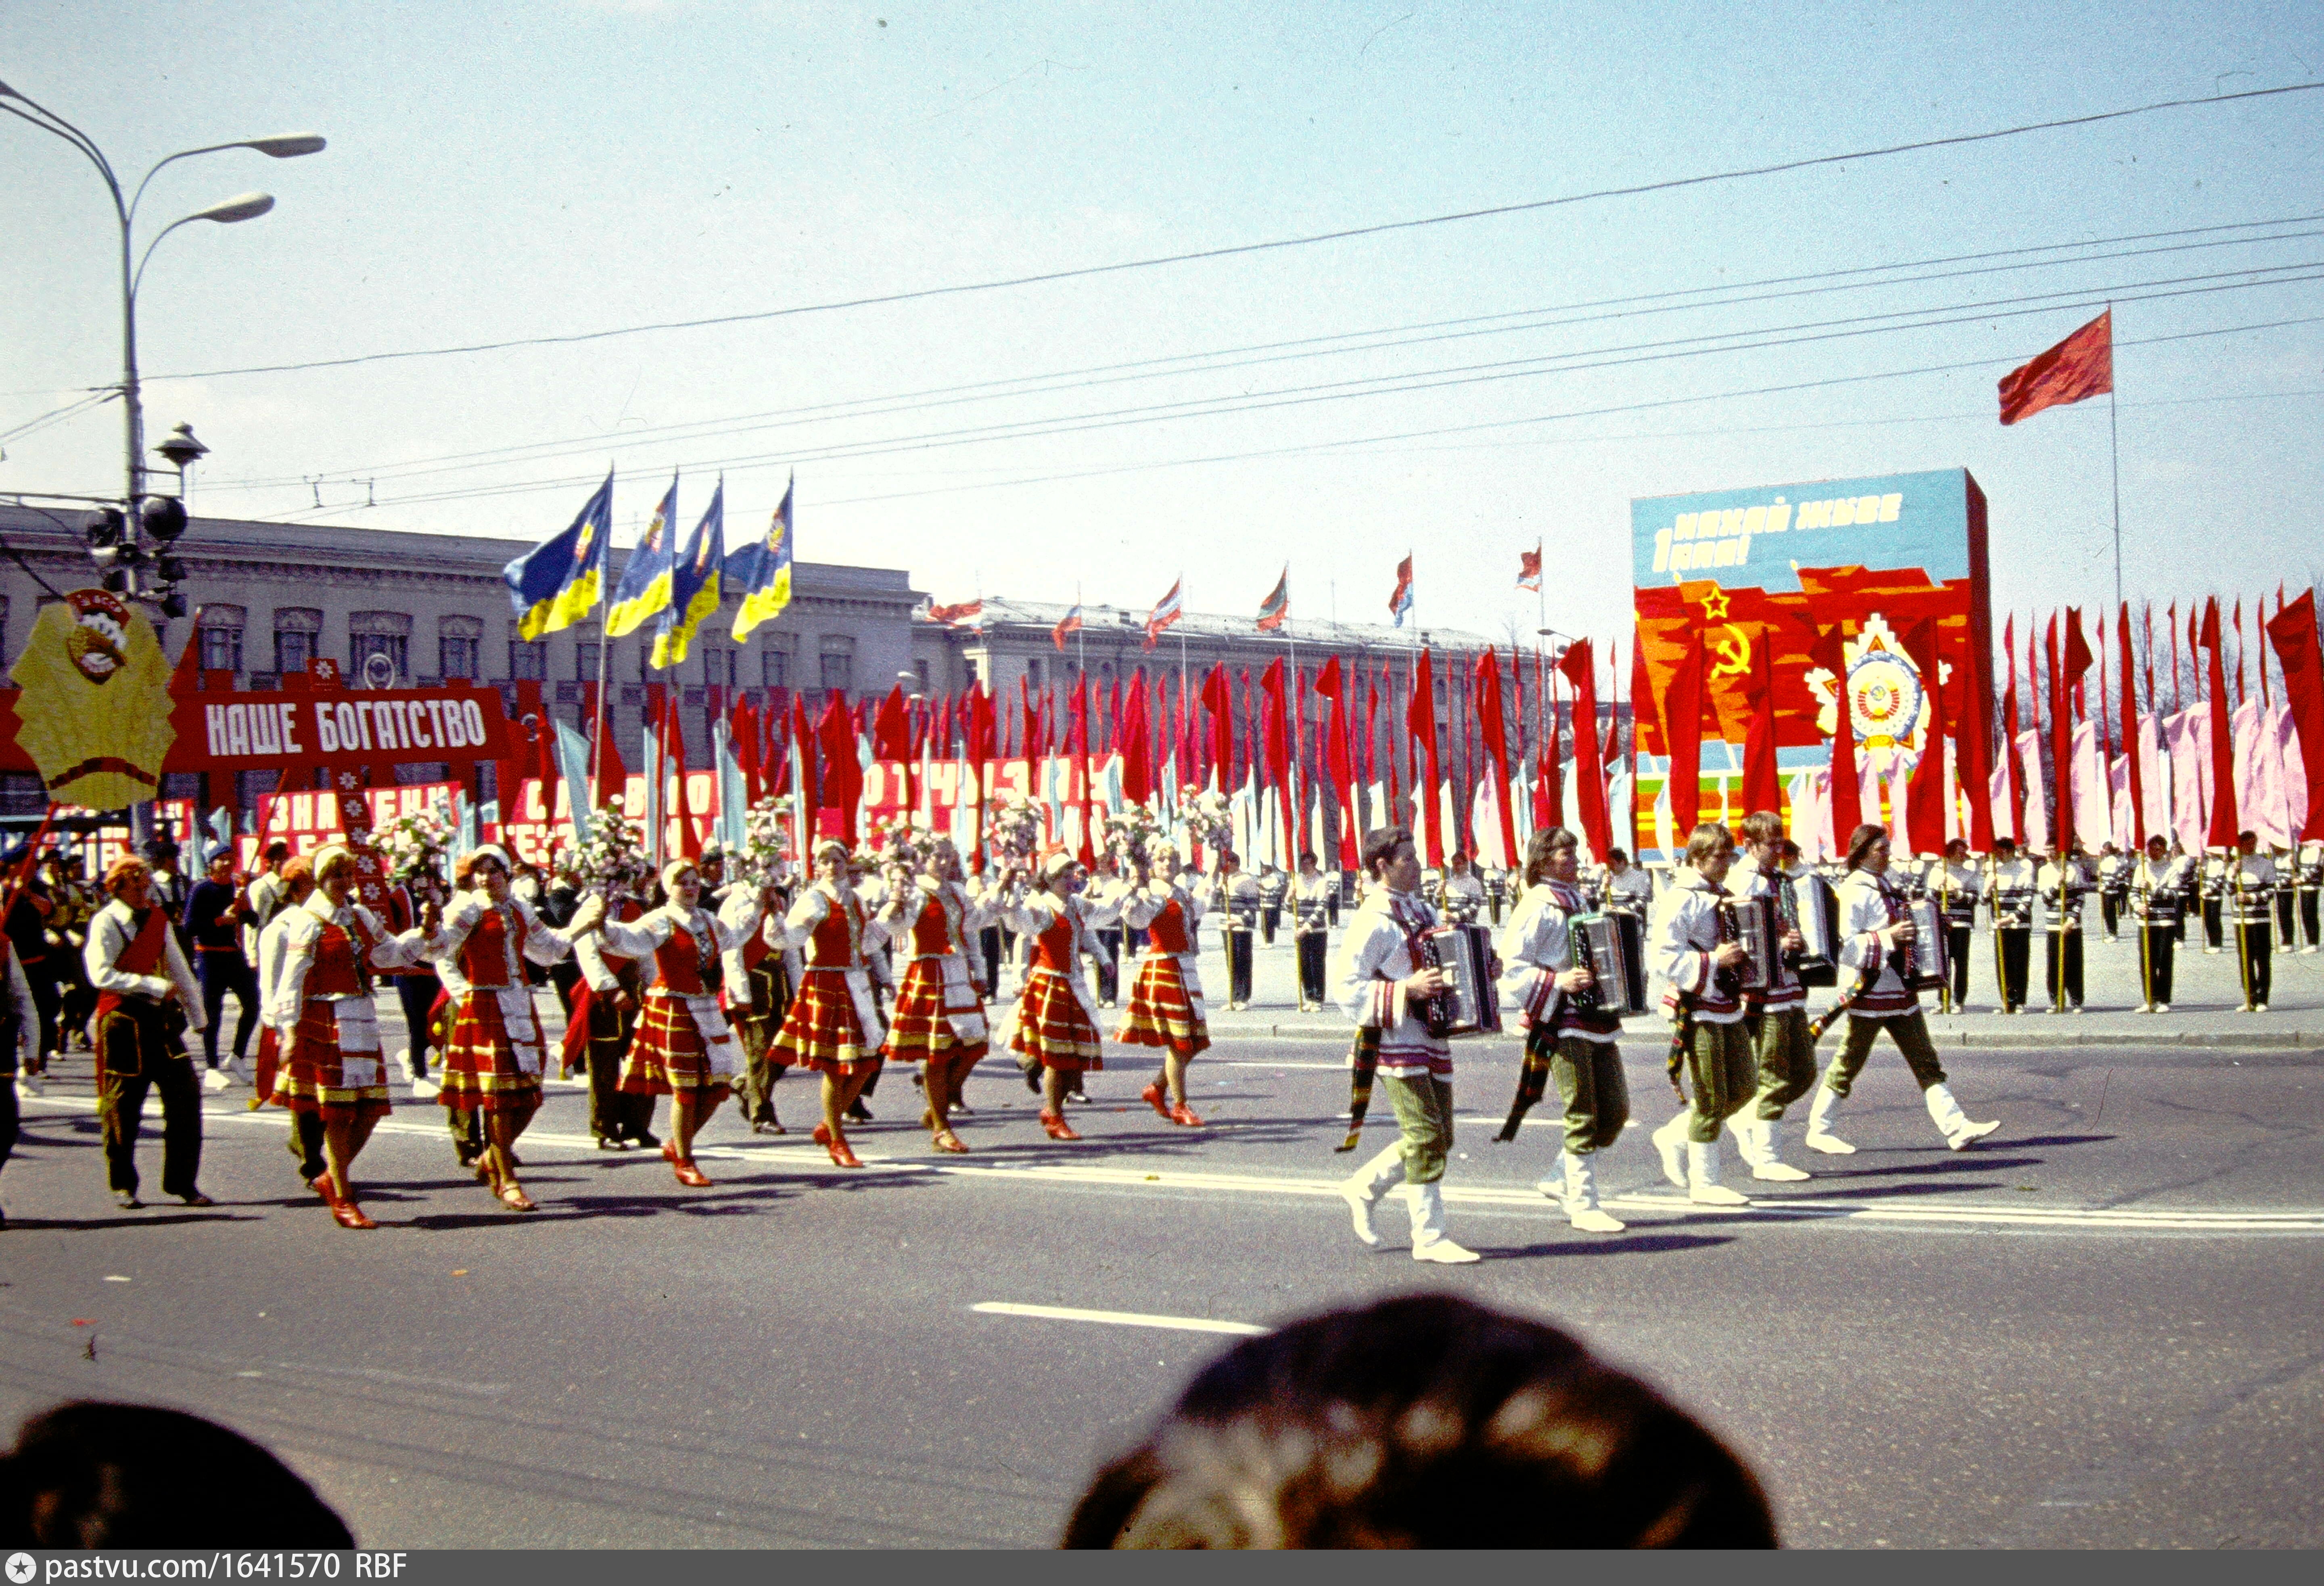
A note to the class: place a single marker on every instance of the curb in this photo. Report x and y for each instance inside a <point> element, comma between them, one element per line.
<point>2307,1042</point>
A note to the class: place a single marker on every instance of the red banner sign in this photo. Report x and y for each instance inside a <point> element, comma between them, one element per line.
<point>359,727</point>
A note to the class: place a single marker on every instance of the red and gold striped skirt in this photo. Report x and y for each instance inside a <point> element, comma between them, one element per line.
<point>668,1055</point>
<point>1160,1013</point>
<point>919,1027</point>
<point>1053,1027</point>
<point>316,1079</point>
<point>822,1031</point>
<point>481,1068</point>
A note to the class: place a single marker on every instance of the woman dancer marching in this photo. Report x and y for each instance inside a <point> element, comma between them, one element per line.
<point>494,1055</point>
<point>1165,997</point>
<point>833,1026</point>
<point>940,1004</point>
<point>600,1026</point>
<point>1057,1021</point>
<point>331,1065</point>
<point>1577,1045</point>
<point>1873,933</point>
<point>683,1048</point>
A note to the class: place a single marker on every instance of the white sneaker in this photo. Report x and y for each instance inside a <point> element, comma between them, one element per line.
<point>216,1080</point>
<point>2162,1008</point>
<point>31,1084</point>
<point>424,1087</point>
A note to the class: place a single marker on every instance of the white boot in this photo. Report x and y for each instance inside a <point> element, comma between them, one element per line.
<point>1669,1145</point>
<point>1581,1195</point>
<point>1952,1122</point>
<point>1821,1113</point>
<point>1429,1240</point>
<point>1362,1191</point>
<point>1755,1140</point>
<point>1703,1172</point>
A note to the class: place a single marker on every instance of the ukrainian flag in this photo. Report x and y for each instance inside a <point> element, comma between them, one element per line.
<point>693,592</point>
<point>761,571</point>
<point>644,589</point>
<point>558,582</point>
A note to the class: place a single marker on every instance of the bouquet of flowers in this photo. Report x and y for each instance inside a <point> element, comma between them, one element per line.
<point>1015,829</point>
<point>613,860</point>
<point>901,840</point>
<point>1205,811</point>
<point>1128,832</point>
<point>414,844</point>
<point>765,837</point>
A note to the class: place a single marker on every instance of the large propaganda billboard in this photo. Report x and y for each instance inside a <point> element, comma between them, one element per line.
<point>1886,576</point>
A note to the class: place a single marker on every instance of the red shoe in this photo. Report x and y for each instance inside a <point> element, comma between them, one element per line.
<point>823,1135</point>
<point>1185,1116</point>
<point>951,1143</point>
<point>350,1216</point>
<point>841,1157</point>
<point>1152,1096</point>
<point>1060,1129</point>
<point>690,1176</point>
<point>670,1152</point>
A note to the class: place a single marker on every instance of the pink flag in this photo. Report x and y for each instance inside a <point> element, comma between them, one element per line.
<point>2037,794</point>
<point>2093,813</point>
<point>2189,815</point>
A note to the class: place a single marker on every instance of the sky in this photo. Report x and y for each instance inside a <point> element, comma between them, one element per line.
<point>558,168</point>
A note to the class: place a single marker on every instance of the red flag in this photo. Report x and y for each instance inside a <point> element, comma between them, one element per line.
<point>2239,649</point>
<point>1278,738</point>
<point>1927,791</point>
<point>1400,601</point>
<point>842,778</point>
<point>1165,612</point>
<point>2009,736</point>
<point>1497,744</point>
<point>2080,366</point>
<point>1218,699</point>
<point>2222,833</point>
<point>1070,622</point>
<point>892,739</point>
<point>1548,801</point>
<point>1529,568</point>
<point>1682,710</point>
<point>1077,744</point>
<point>1847,793</point>
<point>1420,722</point>
<point>1134,738</point>
<point>1339,762</point>
<point>967,611</point>
<point>673,749</point>
<point>1589,771</point>
<point>1763,788</point>
<point>810,768</point>
<point>2293,632</point>
<point>2062,744</point>
<point>1276,609</point>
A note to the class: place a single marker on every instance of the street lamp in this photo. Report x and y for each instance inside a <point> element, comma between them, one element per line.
<point>248,206</point>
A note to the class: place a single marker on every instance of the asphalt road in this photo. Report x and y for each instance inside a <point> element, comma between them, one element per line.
<point>2100,1327</point>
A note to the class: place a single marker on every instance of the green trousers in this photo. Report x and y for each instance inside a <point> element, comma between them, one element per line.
<point>1911,1034</point>
<point>1589,1076</point>
<point>1787,1064</point>
<point>1721,1077</point>
<point>1423,1113</point>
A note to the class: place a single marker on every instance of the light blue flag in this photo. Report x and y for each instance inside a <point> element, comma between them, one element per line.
<point>652,762</point>
<point>572,763</point>
<point>470,837</point>
<point>733,791</point>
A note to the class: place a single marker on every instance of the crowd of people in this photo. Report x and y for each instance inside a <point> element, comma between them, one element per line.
<point>702,987</point>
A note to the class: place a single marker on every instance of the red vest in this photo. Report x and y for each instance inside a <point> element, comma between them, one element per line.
<point>1054,947</point>
<point>342,966</point>
<point>678,964</point>
<point>484,957</point>
<point>832,946</point>
<point>142,956</point>
<point>1169,929</point>
<point>933,932</point>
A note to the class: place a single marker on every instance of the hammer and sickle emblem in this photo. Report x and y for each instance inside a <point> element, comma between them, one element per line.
<point>1734,652</point>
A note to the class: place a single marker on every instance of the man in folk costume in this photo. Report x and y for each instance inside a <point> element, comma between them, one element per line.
<point>331,1065</point>
<point>20,1041</point>
<point>757,993</point>
<point>1691,943</point>
<point>2011,896</point>
<point>1166,993</point>
<point>1055,1025</point>
<point>495,1053</point>
<point>603,1022</point>
<point>940,1004</point>
<point>1312,897</point>
<point>2158,902</point>
<point>1380,978</point>
<point>1775,1014</point>
<point>296,881</point>
<point>1567,1036</point>
<point>147,999</point>
<point>833,1026</point>
<point>684,1048</point>
<point>1876,941</point>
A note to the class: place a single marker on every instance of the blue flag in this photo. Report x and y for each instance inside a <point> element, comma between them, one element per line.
<point>694,589</point>
<point>761,572</point>
<point>644,589</point>
<point>558,582</point>
<point>573,765</point>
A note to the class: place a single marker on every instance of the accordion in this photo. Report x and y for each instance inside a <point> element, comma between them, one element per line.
<point>1472,1005</point>
<point>1808,905</point>
<point>1613,948</point>
<point>1928,963</point>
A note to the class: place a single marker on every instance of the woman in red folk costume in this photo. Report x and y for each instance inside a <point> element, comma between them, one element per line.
<point>494,1055</point>
<point>833,1026</point>
<point>1165,1000</point>
<point>331,1064</point>
<point>940,1005</point>
<point>1057,1021</point>
<point>684,1048</point>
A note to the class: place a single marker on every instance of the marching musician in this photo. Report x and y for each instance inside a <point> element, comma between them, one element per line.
<point>1627,888</point>
<point>1876,938</point>
<point>1381,973</point>
<point>1311,903</point>
<point>2010,893</point>
<point>1464,892</point>
<point>2158,900</point>
<point>147,998</point>
<point>1238,895</point>
<point>2063,887</point>
<point>2215,892</point>
<point>1692,945</point>
<point>1776,1015</point>
<point>2253,882</point>
<point>2114,886</point>
<point>1577,1044</point>
<point>1957,883</point>
<point>2311,884</point>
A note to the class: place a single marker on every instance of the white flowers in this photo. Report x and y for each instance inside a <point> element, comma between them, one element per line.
<point>613,860</point>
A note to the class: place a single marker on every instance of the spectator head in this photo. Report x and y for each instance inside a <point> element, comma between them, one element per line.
<point>1423,1421</point>
<point>89,1474</point>
<point>1618,857</point>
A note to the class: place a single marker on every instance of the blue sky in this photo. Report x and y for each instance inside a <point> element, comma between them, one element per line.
<point>548,168</point>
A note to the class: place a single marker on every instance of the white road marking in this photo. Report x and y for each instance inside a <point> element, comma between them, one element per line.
<point>811,1160</point>
<point>1120,1318</point>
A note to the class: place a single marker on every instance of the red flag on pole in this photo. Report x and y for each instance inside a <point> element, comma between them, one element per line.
<point>1681,709</point>
<point>1763,788</point>
<point>1420,722</point>
<point>1581,669</point>
<point>1497,746</point>
<point>2292,630</point>
<point>2078,367</point>
<point>2130,740</point>
<point>1530,569</point>
<point>1276,609</point>
<point>1218,698</point>
<point>1847,793</point>
<point>1929,789</point>
<point>2222,833</point>
<point>1341,762</point>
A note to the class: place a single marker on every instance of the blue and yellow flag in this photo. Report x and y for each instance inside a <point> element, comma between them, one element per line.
<point>644,589</point>
<point>558,582</point>
<point>761,571</point>
<point>693,592</point>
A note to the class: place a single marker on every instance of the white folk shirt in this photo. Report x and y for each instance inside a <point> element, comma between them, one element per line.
<point>1784,990</point>
<point>354,1018</point>
<point>639,938</point>
<point>799,928</point>
<point>1868,905</point>
<point>110,932</point>
<point>1375,959</point>
<point>1037,910</point>
<point>963,917</point>
<point>1681,939</point>
<point>544,945</point>
<point>1142,909</point>
<point>1536,947</point>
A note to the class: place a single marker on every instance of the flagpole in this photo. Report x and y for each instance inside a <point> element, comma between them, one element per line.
<point>597,746</point>
<point>2114,454</point>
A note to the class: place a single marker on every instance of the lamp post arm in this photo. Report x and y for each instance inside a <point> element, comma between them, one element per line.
<point>138,195</point>
<point>138,279</point>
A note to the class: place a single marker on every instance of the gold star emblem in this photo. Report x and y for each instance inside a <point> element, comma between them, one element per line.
<point>1714,604</point>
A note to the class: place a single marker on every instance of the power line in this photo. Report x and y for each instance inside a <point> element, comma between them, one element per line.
<point>1237,250</point>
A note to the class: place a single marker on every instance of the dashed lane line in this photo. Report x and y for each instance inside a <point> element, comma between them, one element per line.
<point>1120,1318</point>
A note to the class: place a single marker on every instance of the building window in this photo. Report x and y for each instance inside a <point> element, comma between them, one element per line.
<point>528,662</point>
<point>221,648</point>
<point>838,658</point>
<point>718,667</point>
<point>1033,673</point>
<point>775,669</point>
<point>379,648</point>
<point>585,662</point>
<point>296,631</point>
<point>920,671</point>
<point>456,657</point>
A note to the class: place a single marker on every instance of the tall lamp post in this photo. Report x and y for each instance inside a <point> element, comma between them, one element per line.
<point>139,520</point>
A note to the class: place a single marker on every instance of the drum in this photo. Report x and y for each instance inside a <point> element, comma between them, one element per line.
<point>1814,911</point>
<point>1929,967</point>
<point>1613,948</point>
<point>1472,1004</point>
